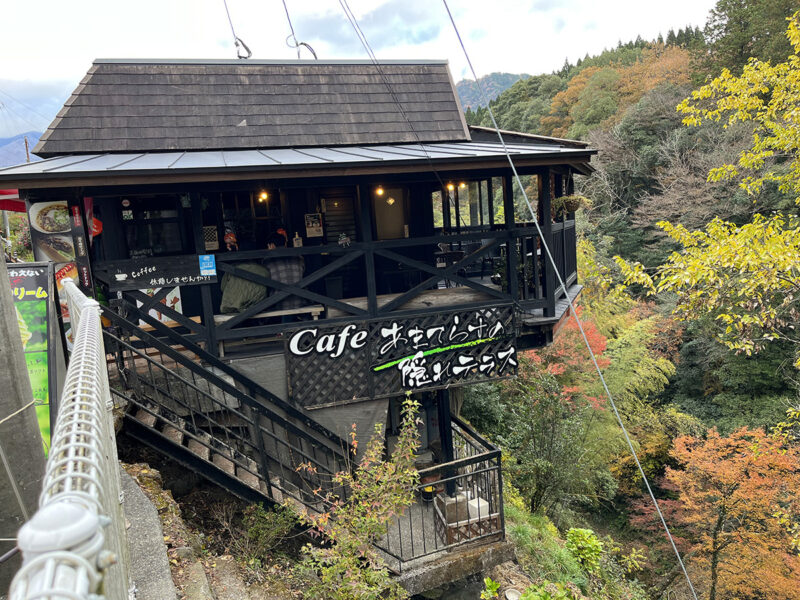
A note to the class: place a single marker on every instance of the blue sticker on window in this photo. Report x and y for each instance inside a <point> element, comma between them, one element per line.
<point>208,265</point>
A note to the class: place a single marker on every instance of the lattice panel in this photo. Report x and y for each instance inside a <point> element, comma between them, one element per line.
<point>464,531</point>
<point>383,358</point>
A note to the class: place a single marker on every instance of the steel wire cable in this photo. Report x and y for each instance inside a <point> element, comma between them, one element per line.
<point>563,286</point>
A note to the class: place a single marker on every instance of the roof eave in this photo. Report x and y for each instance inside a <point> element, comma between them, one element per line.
<point>578,160</point>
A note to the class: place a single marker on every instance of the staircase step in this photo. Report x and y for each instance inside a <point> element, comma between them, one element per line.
<point>224,463</point>
<point>145,417</point>
<point>173,431</point>
<point>248,477</point>
<point>199,448</point>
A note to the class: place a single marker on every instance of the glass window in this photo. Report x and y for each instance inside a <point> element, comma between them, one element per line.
<point>438,209</point>
<point>152,225</point>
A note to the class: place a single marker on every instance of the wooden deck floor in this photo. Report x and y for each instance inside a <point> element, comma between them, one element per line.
<point>428,299</point>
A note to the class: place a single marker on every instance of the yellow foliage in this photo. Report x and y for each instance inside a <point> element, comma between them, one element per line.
<point>745,277</point>
<point>768,96</point>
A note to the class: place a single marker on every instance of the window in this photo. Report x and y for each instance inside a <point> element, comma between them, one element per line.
<point>153,226</point>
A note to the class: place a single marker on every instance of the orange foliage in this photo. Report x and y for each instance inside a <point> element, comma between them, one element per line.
<point>730,490</point>
<point>659,64</point>
<point>568,359</point>
<point>559,120</point>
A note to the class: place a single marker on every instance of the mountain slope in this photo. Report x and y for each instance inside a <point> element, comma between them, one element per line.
<point>493,84</point>
<point>12,149</point>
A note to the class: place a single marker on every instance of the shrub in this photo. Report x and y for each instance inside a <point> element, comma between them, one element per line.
<point>585,547</point>
<point>350,568</point>
<point>551,591</point>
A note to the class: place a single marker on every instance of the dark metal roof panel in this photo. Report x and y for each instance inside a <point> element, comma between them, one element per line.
<point>146,106</point>
<point>275,160</point>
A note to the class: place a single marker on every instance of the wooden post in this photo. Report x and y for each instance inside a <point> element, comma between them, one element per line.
<point>205,290</point>
<point>570,192</point>
<point>446,436</point>
<point>21,451</point>
<point>512,259</point>
<point>364,199</point>
<point>547,231</point>
<point>490,198</point>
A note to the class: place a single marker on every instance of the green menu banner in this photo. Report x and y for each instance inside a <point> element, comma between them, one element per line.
<point>32,288</point>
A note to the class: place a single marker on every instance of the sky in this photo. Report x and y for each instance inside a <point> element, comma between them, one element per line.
<point>48,45</point>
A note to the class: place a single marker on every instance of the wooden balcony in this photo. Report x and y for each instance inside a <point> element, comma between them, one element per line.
<point>389,279</point>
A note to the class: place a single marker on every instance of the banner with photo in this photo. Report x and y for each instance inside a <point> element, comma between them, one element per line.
<point>32,288</point>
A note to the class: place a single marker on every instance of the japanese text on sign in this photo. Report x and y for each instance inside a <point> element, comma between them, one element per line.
<point>384,358</point>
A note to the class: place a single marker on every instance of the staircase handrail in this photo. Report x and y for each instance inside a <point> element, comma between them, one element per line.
<point>255,389</point>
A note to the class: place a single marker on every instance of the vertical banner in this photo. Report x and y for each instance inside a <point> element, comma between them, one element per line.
<point>78,230</point>
<point>56,233</point>
<point>32,288</point>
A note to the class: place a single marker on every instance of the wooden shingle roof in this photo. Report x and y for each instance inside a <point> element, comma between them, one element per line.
<point>168,105</point>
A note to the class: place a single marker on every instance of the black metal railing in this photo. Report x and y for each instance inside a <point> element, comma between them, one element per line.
<point>204,420</point>
<point>456,503</point>
<point>562,246</point>
<point>382,278</point>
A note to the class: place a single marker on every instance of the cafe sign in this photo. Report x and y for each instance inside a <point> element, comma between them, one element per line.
<point>375,359</point>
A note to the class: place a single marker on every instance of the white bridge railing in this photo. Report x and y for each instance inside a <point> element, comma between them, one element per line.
<point>75,546</point>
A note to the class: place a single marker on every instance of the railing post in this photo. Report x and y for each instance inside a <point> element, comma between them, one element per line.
<point>255,420</point>
<point>574,248</point>
<point>512,259</point>
<point>365,222</point>
<point>205,290</point>
<point>547,231</point>
<point>446,435</point>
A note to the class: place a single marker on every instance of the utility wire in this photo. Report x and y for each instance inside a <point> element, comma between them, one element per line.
<point>563,286</point>
<point>13,482</point>
<point>293,37</point>
<point>27,106</point>
<point>237,41</point>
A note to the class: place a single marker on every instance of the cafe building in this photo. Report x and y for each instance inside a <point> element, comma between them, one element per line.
<point>310,240</point>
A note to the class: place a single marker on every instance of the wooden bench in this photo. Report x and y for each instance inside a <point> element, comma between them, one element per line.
<point>315,310</point>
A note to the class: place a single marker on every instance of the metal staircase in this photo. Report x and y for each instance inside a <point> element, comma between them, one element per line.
<point>193,408</point>
<point>209,417</point>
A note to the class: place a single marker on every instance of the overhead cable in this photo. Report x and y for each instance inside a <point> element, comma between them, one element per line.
<point>563,286</point>
<point>237,41</point>
<point>365,43</point>
<point>294,43</point>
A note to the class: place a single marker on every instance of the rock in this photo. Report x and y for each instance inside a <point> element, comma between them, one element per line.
<point>184,552</point>
<point>226,581</point>
<point>510,576</point>
<point>196,586</point>
<point>434,594</point>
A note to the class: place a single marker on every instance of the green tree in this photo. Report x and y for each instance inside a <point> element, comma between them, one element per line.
<point>767,97</point>
<point>737,30</point>
<point>545,432</point>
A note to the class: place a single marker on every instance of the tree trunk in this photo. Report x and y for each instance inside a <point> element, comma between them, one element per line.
<point>715,550</point>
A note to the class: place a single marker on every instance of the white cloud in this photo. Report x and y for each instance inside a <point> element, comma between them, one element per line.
<point>53,42</point>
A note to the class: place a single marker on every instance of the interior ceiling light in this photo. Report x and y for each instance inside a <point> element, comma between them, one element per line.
<point>379,191</point>
<point>263,196</point>
<point>450,187</point>
<point>462,185</point>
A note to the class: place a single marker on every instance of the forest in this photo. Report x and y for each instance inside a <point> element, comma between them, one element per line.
<point>690,259</point>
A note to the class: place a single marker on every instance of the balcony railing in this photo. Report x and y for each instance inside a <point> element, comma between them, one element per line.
<point>75,545</point>
<point>391,278</point>
<point>457,503</point>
